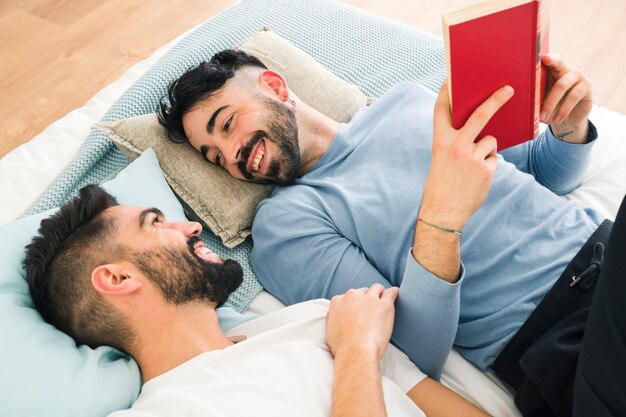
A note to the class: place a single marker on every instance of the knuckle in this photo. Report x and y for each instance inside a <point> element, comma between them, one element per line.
<point>491,144</point>
<point>438,147</point>
<point>490,140</point>
<point>458,150</point>
<point>576,94</point>
<point>560,84</point>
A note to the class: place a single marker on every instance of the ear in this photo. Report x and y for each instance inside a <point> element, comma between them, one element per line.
<point>274,82</point>
<point>114,279</point>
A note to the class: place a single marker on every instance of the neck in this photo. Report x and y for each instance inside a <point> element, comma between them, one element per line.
<point>316,132</point>
<point>176,335</point>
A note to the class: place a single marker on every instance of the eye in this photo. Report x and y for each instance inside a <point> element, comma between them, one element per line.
<point>218,158</point>
<point>156,220</point>
<point>228,123</point>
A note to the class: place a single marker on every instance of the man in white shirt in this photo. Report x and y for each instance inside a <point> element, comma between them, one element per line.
<point>124,276</point>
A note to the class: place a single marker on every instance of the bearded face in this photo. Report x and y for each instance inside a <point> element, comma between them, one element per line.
<point>281,130</point>
<point>183,277</point>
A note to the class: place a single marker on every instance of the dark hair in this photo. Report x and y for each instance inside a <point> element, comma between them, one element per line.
<point>196,84</point>
<point>59,261</point>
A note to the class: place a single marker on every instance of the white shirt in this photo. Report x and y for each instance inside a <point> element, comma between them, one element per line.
<point>284,368</point>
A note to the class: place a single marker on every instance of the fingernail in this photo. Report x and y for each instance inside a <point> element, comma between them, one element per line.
<point>508,90</point>
<point>556,120</point>
<point>543,115</point>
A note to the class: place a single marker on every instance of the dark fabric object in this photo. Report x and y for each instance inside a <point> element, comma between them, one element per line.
<point>600,388</point>
<point>540,361</point>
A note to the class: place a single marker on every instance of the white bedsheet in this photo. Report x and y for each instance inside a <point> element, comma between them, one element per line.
<point>25,172</point>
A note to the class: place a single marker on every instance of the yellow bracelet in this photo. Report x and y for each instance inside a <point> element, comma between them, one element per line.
<point>443,229</point>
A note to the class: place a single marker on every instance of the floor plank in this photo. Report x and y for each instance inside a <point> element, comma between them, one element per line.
<point>56,54</point>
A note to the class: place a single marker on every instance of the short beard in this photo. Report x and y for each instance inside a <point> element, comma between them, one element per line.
<point>282,129</point>
<point>183,277</point>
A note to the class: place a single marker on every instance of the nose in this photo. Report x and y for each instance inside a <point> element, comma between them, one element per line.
<point>188,228</point>
<point>231,150</point>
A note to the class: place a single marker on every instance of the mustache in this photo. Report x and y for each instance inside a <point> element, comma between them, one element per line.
<point>247,150</point>
<point>191,242</point>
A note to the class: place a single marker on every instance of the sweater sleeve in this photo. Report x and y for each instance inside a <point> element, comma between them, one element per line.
<point>555,164</point>
<point>427,315</point>
<point>298,255</point>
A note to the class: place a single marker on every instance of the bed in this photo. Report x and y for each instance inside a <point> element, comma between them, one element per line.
<point>45,172</point>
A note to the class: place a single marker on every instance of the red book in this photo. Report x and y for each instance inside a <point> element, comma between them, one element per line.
<point>488,46</point>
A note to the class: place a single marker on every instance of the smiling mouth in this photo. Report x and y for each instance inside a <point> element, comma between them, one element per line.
<point>257,160</point>
<point>201,251</point>
<point>259,153</point>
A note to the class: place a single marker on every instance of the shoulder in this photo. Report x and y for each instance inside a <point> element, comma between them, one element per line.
<point>311,312</point>
<point>409,91</point>
<point>406,97</point>
<point>299,200</point>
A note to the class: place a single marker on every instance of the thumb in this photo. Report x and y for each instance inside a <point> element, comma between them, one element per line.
<point>390,294</point>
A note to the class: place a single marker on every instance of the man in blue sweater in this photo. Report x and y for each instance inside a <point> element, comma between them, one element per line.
<point>475,240</point>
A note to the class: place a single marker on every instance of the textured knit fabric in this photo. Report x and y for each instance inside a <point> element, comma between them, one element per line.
<point>350,221</point>
<point>343,39</point>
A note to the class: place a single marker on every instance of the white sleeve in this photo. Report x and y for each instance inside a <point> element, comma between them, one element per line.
<point>396,366</point>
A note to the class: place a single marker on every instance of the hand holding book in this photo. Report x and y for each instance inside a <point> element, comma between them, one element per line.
<point>568,101</point>
<point>492,44</point>
<point>460,176</point>
<point>501,42</point>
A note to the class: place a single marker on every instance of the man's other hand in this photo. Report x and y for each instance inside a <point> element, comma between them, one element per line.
<point>568,101</point>
<point>361,320</point>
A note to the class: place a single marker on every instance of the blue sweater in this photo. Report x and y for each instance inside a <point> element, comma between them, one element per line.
<point>349,222</point>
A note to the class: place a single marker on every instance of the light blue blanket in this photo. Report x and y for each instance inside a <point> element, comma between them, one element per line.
<point>366,50</point>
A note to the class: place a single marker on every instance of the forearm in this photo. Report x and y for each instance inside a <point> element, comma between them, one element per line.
<point>357,385</point>
<point>437,400</point>
<point>436,250</point>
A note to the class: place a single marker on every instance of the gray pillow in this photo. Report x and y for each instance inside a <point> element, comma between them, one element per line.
<point>208,194</point>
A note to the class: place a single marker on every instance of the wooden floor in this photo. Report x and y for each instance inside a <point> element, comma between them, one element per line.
<point>56,54</point>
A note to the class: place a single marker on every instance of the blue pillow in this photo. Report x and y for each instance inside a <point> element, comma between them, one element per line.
<point>42,371</point>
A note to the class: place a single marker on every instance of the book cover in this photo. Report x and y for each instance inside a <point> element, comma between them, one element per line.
<point>489,46</point>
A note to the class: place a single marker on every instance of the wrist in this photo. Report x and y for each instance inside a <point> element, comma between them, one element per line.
<point>449,219</point>
<point>457,232</point>
<point>357,351</point>
<point>572,133</point>
<point>438,252</point>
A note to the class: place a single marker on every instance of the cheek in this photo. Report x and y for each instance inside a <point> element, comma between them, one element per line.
<point>253,123</point>
<point>167,238</point>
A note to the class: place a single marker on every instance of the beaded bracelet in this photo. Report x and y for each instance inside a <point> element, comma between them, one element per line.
<point>443,229</point>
